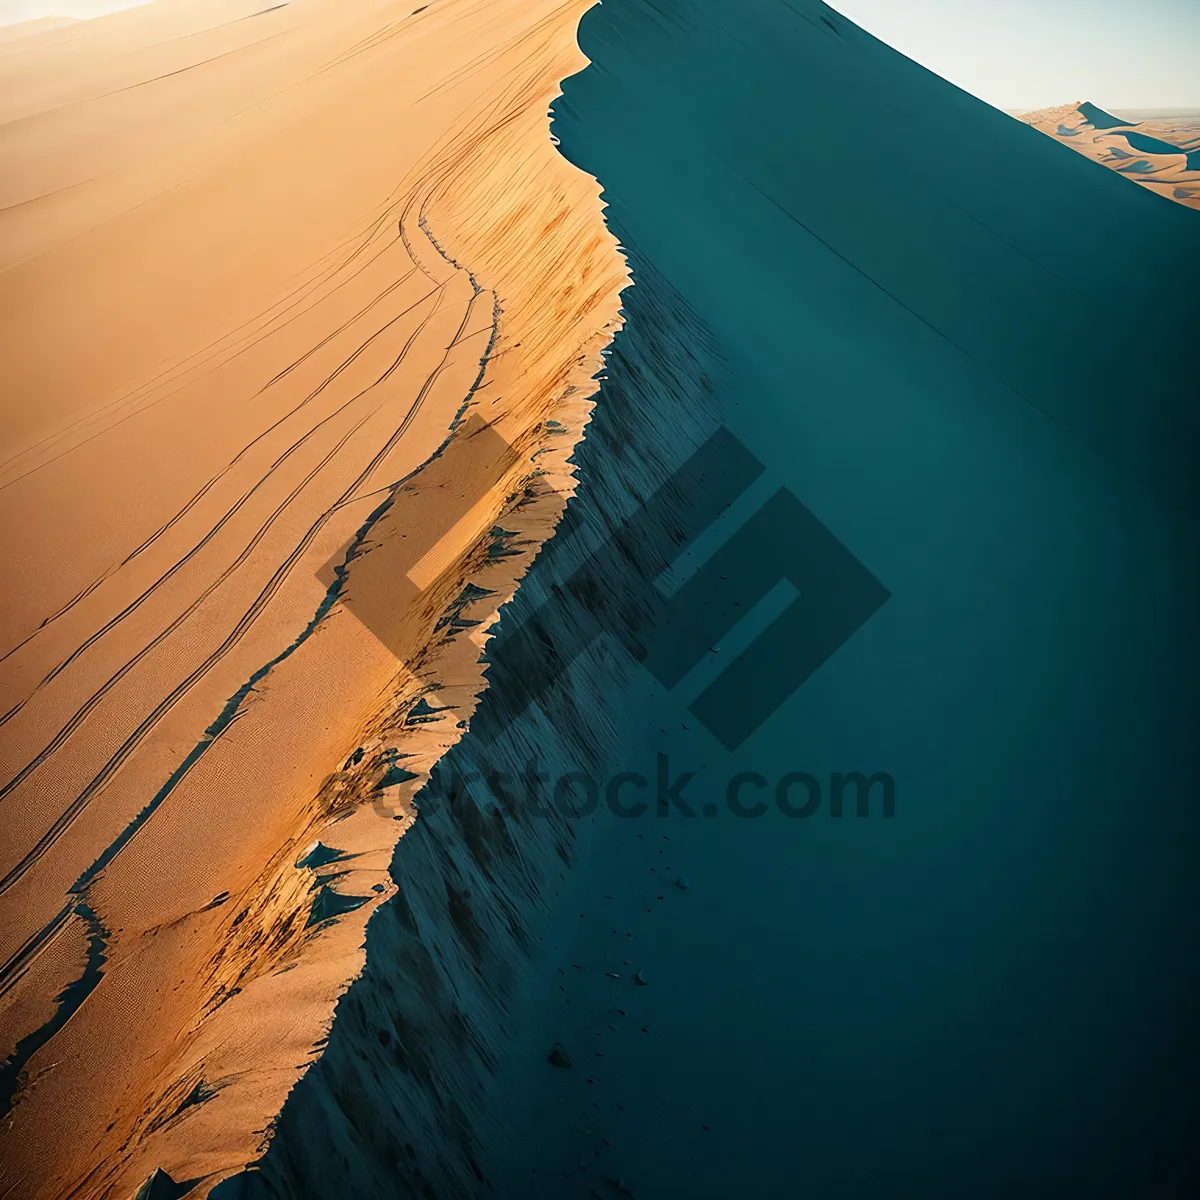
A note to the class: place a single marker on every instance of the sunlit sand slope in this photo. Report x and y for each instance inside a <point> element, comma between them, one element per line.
<point>303,311</point>
<point>1162,154</point>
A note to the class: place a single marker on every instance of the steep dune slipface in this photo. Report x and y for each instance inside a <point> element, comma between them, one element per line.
<point>304,311</point>
<point>1162,154</point>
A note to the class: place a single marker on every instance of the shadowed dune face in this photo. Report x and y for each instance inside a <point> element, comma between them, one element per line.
<point>302,306</point>
<point>1161,153</point>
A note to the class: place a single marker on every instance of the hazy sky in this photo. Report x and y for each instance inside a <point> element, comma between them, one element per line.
<point>1036,53</point>
<point>12,11</point>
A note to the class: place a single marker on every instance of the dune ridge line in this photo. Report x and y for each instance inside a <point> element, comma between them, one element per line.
<point>332,294</point>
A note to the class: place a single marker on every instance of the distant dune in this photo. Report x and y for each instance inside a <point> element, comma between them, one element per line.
<point>1160,151</point>
<point>303,313</point>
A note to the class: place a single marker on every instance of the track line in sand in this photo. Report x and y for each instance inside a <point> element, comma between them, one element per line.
<point>64,821</point>
<point>77,992</point>
<point>153,667</point>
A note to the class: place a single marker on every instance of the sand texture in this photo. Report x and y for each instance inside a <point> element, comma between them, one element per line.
<point>303,314</point>
<point>942,355</point>
<point>1160,153</point>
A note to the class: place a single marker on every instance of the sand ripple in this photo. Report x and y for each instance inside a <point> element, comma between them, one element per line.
<point>303,307</point>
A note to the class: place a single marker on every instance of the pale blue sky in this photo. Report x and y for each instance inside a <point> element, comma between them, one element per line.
<point>1037,53</point>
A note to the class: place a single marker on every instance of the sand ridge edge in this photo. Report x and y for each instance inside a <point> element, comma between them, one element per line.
<point>239,988</point>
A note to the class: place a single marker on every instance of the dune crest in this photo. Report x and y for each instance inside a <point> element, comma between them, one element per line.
<point>1160,153</point>
<point>305,312</point>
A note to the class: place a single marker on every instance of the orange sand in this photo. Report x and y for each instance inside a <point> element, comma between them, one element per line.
<point>1166,174</point>
<point>254,261</point>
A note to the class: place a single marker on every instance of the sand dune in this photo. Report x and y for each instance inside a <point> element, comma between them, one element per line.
<point>938,353</point>
<point>1161,153</point>
<point>302,306</point>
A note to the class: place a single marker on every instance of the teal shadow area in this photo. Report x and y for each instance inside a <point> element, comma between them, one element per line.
<point>921,317</point>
